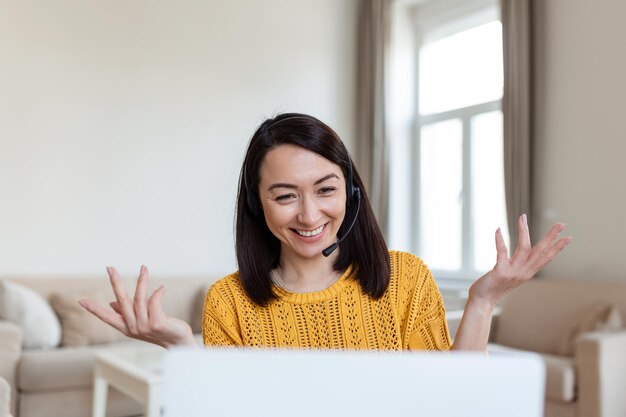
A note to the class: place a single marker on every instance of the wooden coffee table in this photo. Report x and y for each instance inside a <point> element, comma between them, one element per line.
<point>136,373</point>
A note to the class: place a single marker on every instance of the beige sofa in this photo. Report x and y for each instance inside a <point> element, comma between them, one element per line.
<point>5,398</point>
<point>586,374</point>
<point>539,316</point>
<point>57,381</point>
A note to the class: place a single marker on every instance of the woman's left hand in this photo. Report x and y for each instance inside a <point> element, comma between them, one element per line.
<point>527,260</point>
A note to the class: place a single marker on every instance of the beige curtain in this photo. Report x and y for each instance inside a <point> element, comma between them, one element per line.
<point>371,144</point>
<point>517,109</point>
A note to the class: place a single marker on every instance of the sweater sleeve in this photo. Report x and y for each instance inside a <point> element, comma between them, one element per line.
<point>219,321</point>
<point>426,326</point>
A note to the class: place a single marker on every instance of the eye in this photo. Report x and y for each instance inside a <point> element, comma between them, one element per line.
<point>285,197</point>
<point>327,190</point>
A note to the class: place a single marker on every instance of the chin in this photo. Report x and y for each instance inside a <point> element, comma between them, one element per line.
<point>313,251</point>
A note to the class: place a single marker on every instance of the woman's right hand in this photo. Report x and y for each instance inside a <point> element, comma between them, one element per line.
<point>141,317</point>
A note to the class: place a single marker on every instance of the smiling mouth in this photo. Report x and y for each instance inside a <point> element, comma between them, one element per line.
<point>309,233</point>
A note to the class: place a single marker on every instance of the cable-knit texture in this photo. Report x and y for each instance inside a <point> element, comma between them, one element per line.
<point>409,316</point>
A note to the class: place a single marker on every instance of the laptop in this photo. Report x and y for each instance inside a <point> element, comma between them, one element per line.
<point>307,383</point>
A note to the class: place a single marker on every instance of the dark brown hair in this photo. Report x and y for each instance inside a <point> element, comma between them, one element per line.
<point>258,250</point>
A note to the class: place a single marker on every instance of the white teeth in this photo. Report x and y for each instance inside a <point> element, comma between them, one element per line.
<point>313,232</point>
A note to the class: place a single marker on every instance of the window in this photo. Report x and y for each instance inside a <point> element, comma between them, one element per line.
<point>457,185</point>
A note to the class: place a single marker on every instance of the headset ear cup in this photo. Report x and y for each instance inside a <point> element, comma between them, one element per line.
<point>349,191</point>
<point>353,192</point>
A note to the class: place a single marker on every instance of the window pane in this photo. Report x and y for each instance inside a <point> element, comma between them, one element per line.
<point>461,70</point>
<point>488,202</point>
<point>441,186</point>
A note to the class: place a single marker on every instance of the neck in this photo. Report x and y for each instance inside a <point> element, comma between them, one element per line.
<point>306,274</point>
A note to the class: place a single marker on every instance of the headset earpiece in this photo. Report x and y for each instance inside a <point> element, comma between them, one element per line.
<point>352,190</point>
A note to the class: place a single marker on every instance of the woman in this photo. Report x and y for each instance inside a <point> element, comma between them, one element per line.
<point>314,270</point>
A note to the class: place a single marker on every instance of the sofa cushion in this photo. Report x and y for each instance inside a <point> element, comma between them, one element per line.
<point>31,312</point>
<point>66,367</point>
<point>560,373</point>
<point>80,327</point>
<point>601,317</point>
<point>536,315</point>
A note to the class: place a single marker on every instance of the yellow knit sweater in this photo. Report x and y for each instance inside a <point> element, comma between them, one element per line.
<point>410,315</point>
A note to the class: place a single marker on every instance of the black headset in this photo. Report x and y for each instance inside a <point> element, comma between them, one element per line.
<point>353,192</point>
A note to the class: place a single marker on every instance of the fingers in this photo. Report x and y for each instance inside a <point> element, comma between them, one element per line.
<point>546,249</point>
<point>125,305</point>
<point>523,235</point>
<point>547,241</point>
<point>116,307</point>
<point>527,259</point>
<point>558,246</point>
<point>525,263</point>
<point>140,318</point>
<point>501,249</point>
<point>139,301</point>
<point>546,255</point>
<point>155,312</point>
<point>112,318</point>
<point>144,331</point>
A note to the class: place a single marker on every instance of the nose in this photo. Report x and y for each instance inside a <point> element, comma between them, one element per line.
<point>310,212</point>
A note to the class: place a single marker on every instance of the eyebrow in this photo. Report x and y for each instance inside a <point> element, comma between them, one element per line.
<point>285,185</point>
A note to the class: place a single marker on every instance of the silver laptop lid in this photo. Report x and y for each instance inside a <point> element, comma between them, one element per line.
<point>279,383</point>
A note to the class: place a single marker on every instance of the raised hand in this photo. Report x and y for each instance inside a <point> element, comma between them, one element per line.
<point>141,317</point>
<point>527,260</point>
<point>508,273</point>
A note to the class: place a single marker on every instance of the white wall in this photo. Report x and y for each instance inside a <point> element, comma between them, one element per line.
<point>123,124</point>
<point>581,140</point>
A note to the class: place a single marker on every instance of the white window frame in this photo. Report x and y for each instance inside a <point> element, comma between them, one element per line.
<point>438,19</point>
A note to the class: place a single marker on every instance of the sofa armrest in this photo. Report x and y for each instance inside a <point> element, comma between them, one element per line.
<point>5,398</point>
<point>10,348</point>
<point>601,361</point>
<point>11,336</point>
